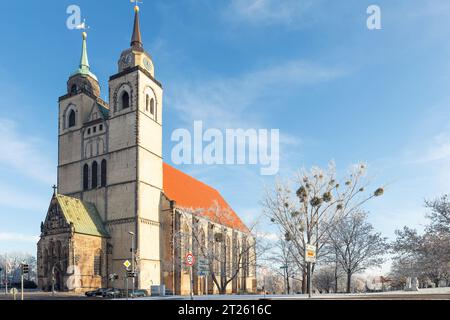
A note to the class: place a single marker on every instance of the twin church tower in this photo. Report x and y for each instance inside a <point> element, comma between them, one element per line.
<point>117,200</point>
<point>109,173</point>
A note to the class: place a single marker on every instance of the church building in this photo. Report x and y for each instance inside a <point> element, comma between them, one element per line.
<point>116,200</point>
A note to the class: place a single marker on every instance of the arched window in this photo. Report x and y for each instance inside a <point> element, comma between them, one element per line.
<point>85,177</point>
<point>147,102</point>
<point>94,174</point>
<point>125,100</point>
<point>74,89</point>
<point>72,119</point>
<point>103,173</point>
<point>152,106</point>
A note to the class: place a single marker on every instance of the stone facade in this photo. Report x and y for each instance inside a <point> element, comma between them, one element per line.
<point>110,158</point>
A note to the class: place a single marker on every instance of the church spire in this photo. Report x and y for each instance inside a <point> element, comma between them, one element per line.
<point>84,61</point>
<point>84,68</point>
<point>136,40</point>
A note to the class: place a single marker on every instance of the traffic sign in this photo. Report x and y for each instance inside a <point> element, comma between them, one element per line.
<point>310,253</point>
<point>203,264</point>
<point>190,259</point>
<point>131,274</point>
<point>202,273</point>
<point>14,291</point>
<point>127,264</point>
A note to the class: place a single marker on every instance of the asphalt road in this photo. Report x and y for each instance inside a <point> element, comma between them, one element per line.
<point>385,296</point>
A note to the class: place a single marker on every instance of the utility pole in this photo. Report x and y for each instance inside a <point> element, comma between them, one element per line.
<point>132,259</point>
<point>24,270</point>
<point>192,281</point>
<point>309,280</point>
<point>21,286</point>
<point>6,273</point>
<point>126,280</point>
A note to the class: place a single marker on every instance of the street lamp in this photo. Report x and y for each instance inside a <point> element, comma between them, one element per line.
<point>132,257</point>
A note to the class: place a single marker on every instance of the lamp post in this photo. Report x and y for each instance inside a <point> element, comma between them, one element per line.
<point>132,257</point>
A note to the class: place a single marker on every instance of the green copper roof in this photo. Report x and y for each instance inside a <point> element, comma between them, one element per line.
<point>104,111</point>
<point>83,215</point>
<point>84,68</point>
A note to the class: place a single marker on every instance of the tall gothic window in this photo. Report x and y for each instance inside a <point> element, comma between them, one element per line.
<point>98,263</point>
<point>72,119</point>
<point>147,102</point>
<point>228,256</point>
<point>85,177</point>
<point>152,106</point>
<point>94,174</point>
<point>103,173</point>
<point>125,100</point>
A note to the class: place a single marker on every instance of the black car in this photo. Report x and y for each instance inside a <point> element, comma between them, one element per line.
<point>96,293</point>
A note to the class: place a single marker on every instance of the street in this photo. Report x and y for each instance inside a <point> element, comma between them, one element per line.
<point>424,294</point>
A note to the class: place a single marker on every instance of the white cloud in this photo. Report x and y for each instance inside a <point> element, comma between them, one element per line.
<point>270,236</point>
<point>267,12</point>
<point>226,102</point>
<point>18,237</point>
<point>438,149</point>
<point>23,153</point>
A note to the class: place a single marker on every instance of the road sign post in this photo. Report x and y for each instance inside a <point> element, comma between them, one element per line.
<point>127,265</point>
<point>310,258</point>
<point>25,270</point>
<point>190,260</point>
<point>203,271</point>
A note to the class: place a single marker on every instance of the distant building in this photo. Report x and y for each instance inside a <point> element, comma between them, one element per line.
<point>115,193</point>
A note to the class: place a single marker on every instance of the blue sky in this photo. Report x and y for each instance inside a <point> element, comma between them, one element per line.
<point>312,69</point>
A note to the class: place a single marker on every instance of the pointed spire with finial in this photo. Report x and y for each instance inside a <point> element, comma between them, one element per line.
<point>136,40</point>
<point>84,61</point>
<point>84,68</point>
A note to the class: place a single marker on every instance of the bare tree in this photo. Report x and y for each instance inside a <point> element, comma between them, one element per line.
<point>10,264</point>
<point>425,256</point>
<point>356,244</point>
<point>230,254</point>
<point>440,213</point>
<point>283,263</point>
<point>318,204</point>
<point>324,279</point>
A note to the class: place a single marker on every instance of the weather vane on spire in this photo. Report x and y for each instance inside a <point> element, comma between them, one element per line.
<point>82,26</point>
<point>136,2</point>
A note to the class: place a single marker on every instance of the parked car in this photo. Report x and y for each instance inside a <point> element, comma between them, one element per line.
<point>112,293</point>
<point>137,293</point>
<point>96,293</point>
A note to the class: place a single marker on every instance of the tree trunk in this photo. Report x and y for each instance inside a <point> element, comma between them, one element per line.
<point>349,281</point>
<point>304,282</point>
<point>286,283</point>
<point>336,279</point>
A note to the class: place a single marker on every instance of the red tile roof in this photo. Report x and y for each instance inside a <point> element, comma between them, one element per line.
<point>190,193</point>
